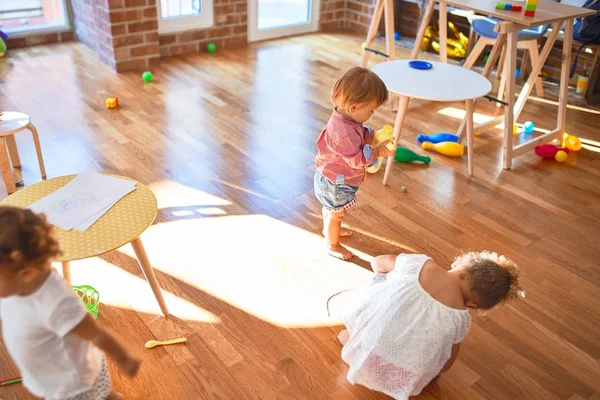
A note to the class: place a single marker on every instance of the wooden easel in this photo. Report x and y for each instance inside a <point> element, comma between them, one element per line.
<point>390,45</point>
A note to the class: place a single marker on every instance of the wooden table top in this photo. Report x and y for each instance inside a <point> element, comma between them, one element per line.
<point>121,224</point>
<point>547,11</point>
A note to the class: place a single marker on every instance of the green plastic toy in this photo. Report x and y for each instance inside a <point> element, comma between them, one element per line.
<point>147,76</point>
<point>89,297</point>
<point>2,47</point>
<point>211,47</point>
<point>404,155</point>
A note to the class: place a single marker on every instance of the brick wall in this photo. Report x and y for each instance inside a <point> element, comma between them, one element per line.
<point>230,30</point>
<point>358,15</point>
<point>92,27</point>
<point>35,40</point>
<point>134,29</point>
<point>333,15</point>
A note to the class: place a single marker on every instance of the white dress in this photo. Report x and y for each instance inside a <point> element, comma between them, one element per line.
<point>400,336</point>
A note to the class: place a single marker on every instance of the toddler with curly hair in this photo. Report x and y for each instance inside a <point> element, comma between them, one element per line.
<point>57,345</point>
<point>408,323</point>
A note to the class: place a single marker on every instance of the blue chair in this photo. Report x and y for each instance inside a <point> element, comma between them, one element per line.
<point>527,39</point>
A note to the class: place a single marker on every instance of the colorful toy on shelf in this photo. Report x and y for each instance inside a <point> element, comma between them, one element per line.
<point>396,35</point>
<point>211,47</point>
<point>571,142</point>
<point>508,7</point>
<point>385,134</point>
<point>404,155</point>
<point>528,127</point>
<point>446,148</point>
<point>437,138</point>
<point>515,129</point>
<point>112,102</point>
<point>530,7</point>
<point>550,151</point>
<point>147,76</point>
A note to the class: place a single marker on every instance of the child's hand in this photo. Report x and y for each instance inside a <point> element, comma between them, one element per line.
<point>383,151</point>
<point>129,366</point>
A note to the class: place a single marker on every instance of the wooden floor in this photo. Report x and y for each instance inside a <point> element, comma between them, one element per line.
<point>227,142</point>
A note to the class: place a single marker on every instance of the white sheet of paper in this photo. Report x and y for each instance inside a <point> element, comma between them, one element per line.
<point>86,195</point>
<point>86,224</point>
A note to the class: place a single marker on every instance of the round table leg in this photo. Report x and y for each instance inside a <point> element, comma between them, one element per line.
<point>146,267</point>
<point>38,149</point>
<point>6,168</point>
<point>402,107</point>
<point>66,267</point>
<point>469,119</point>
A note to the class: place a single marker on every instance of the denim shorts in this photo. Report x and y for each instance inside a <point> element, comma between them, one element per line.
<point>334,197</point>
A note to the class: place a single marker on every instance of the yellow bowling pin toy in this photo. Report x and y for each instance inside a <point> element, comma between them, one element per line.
<point>446,148</point>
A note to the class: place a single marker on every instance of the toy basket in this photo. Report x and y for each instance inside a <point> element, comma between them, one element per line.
<point>90,298</point>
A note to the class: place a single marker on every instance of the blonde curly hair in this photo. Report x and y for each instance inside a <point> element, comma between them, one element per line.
<point>25,239</point>
<point>493,278</point>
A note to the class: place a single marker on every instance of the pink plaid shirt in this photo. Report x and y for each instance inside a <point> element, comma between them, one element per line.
<point>342,154</point>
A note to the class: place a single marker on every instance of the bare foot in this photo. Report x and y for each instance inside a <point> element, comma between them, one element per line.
<point>339,251</point>
<point>343,337</point>
<point>343,233</point>
<point>115,396</point>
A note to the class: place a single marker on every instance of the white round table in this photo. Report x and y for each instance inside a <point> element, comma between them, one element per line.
<point>443,82</point>
<point>12,122</point>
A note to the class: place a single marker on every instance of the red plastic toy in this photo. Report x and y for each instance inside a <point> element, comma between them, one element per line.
<point>548,151</point>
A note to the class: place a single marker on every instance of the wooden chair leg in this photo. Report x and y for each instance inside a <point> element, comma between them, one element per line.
<point>443,29</point>
<point>11,143</point>
<point>372,32</point>
<point>501,63</point>
<point>66,268</point>
<point>38,149</point>
<point>534,55</point>
<point>148,271</point>
<point>6,168</point>
<point>475,53</point>
<point>390,43</point>
<point>422,27</point>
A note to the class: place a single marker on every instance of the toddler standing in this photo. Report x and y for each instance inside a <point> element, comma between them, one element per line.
<point>344,151</point>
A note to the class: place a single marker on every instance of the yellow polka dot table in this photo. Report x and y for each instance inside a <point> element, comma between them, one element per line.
<point>121,224</point>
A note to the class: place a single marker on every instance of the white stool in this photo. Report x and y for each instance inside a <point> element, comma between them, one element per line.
<point>12,122</point>
<point>443,82</point>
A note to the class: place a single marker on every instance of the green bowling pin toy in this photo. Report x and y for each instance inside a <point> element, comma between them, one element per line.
<point>404,155</point>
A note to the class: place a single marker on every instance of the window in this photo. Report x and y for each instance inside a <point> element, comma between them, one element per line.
<point>183,15</point>
<point>22,17</point>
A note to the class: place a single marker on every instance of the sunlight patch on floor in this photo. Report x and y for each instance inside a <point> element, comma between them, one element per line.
<point>172,194</point>
<point>266,267</point>
<point>119,288</point>
<point>459,114</point>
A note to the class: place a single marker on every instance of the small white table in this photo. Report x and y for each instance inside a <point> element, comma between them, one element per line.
<point>12,122</point>
<point>443,82</point>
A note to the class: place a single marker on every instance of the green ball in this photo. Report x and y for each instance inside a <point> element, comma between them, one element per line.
<point>2,46</point>
<point>485,58</point>
<point>211,47</point>
<point>147,76</point>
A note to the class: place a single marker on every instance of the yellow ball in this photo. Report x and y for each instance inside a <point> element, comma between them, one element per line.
<point>363,45</point>
<point>561,156</point>
<point>515,129</point>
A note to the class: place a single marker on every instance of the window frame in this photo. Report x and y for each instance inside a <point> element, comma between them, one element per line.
<point>28,30</point>
<point>255,35</point>
<point>187,22</point>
